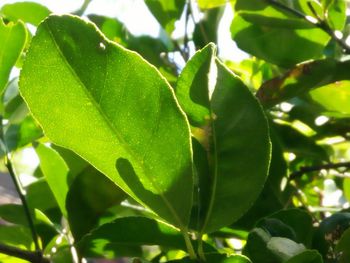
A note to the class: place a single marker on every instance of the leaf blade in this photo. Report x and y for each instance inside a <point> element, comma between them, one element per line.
<point>136,161</point>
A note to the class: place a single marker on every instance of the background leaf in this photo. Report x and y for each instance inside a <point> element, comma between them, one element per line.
<point>12,40</point>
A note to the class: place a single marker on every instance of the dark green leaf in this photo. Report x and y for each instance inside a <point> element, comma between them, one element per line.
<point>12,40</point>
<point>28,12</point>
<point>120,106</point>
<point>89,196</point>
<point>308,256</point>
<point>216,105</point>
<point>263,248</point>
<point>330,231</point>
<point>111,240</point>
<point>217,258</point>
<point>343,247</point>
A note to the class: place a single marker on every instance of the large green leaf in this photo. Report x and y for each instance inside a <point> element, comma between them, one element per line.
<point>118,105</point>
<point>258,26</point>
<point>166,11</point>
<point>230,125</point>
<point>301,79</point>
<point>56,173</point>
<point>12,40</point>
<point>28,12</point>
<point>111,239</point>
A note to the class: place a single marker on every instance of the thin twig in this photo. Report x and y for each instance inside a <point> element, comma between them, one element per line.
<point>319,23</point>
<point>31,256</point>
<point>19,189</point>
<point>199,23</point>
<point>83,8</point>
<point>308,169</point>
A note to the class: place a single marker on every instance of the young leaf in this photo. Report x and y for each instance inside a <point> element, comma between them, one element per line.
<point>12,40</point>
<point>56,173</point>
<point>230,125</point>
<point>28,12</point>
<point>118,105</point>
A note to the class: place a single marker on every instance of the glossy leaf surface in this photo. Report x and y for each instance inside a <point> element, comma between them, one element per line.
<point>229,123</point>
<point>119,105</point>
<point>12,40</point>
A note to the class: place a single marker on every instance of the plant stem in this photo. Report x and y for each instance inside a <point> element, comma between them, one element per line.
<point>31,256</point>
<point>200,248</point>
<point>321,23</point>
<point>19,190</point>
<point>82,9</point>
<point>189,245</point>
<point>307,169</point>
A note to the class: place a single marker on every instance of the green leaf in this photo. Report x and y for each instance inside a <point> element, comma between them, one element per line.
<point>22,134</point>
<point>258,26</point>
<point>272,198</point>
<point>48,205</point>
<point>207,4</point>
<point>291,218</point>
<point>301,79</point>
<point>343,247</point>
<point>308,256</point>
<point>18,236</point>
<point>263,248</point>
<point>166,11</point>
<point>89,196</point>
<point>12,40</point>
<point>28,12</point>
<point>340,94</point>
<point>116,103</point>
<point>15,214</point>
<point>330,232</point>
<point>230,124</point>
<point>56,173</point>
<point>217,258</point>
<point>111,239</point>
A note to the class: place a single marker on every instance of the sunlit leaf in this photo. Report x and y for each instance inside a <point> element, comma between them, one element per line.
<point>111,99</point>
<point>12,40</point>
<point>215,104</point>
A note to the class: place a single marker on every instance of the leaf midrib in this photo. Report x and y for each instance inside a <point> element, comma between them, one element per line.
<point>114,131</point>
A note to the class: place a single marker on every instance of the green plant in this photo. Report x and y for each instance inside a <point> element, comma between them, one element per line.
<point>143,159</point>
